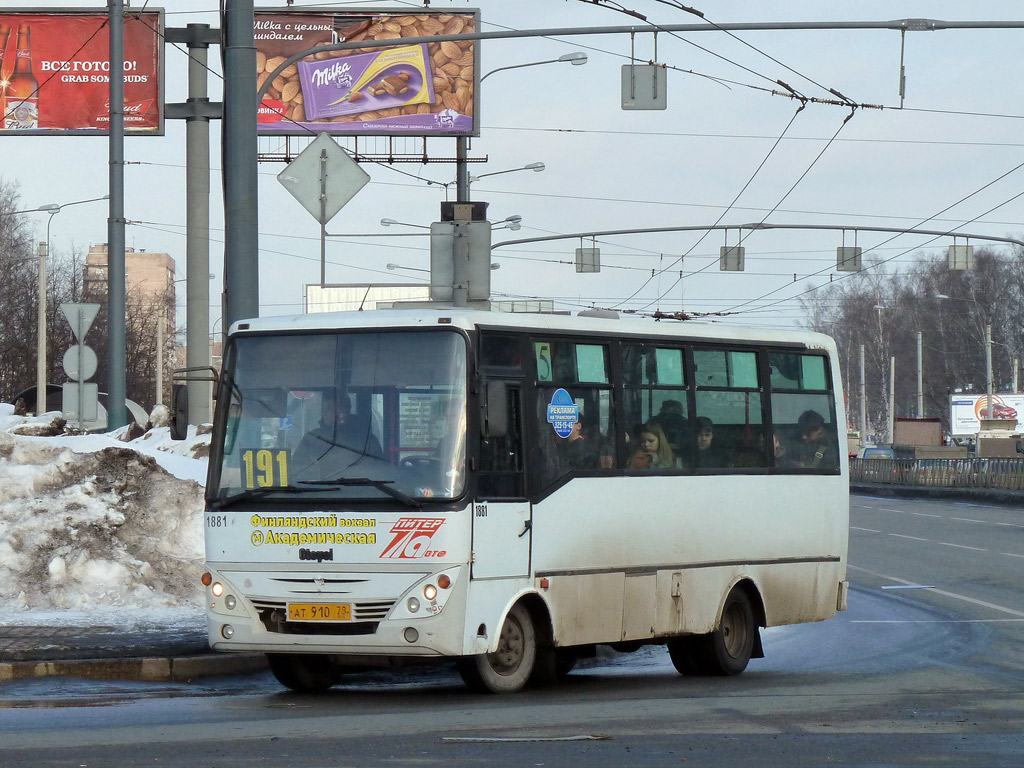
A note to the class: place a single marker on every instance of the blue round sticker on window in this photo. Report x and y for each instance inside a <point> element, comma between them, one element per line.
<point>563,413</point>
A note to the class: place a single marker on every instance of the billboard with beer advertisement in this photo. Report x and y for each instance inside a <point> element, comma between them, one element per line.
<point>417,89</point>
<point>54,72</point>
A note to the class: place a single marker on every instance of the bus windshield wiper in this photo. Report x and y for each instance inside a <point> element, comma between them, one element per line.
<point>253,493</point>
<point>384,486</point>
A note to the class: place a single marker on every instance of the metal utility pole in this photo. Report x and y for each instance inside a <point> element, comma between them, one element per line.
<point>892,400</point>
<point>863,400</point>
<point>197,111</point>
<point>920,379</point>
<point>117,411</point>
<point>239,147</point>
<point>988,370</point>
<point>44,249</point>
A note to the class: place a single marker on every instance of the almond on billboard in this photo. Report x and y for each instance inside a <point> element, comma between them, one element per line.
<point>55,73</point>
<point>417,89</point>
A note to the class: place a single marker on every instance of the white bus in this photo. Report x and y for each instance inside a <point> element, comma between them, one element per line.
<point>512,491</point>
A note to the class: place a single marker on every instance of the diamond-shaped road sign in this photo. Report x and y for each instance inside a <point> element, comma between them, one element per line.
<point>323,178</point>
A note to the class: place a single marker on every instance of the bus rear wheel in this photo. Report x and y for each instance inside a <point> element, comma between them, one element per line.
<point>509,668</point>
<point>304,672</point>
<point>727,650</point>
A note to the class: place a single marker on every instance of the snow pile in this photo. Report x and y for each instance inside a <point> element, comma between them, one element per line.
<point>90,522</point>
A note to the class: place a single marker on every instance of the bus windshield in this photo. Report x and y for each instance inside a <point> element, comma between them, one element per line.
<point>342,417</point>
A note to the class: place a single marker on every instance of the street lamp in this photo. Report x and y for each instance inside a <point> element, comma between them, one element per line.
<point>535,167</point>
<point>462,180</point>
<point>389,222</point>
<point>576,58</point>
<point>44,249</point>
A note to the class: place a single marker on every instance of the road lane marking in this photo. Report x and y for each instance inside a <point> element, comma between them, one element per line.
<point>889,509</point>
<point>907,586</point>
<point>1010,554</point>
<point>962,546</point>
<point>924,514</point>
<point>904,536</point>
<point>943,592</point>
<point>968,520</point>
<point>866,530</point>
<point>936,621</point>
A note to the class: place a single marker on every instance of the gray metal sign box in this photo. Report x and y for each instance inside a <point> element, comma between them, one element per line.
<point>644,86</point>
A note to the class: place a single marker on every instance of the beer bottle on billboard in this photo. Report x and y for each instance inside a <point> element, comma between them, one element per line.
<point>23,89</point>
<point>5,34</point>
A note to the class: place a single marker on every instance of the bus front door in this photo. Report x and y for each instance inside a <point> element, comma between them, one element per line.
<point>502,515</point>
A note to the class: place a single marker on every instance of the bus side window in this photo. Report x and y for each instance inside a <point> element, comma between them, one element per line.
<point>802,412</point>
<point>655,395</point>
<point>729,398</point>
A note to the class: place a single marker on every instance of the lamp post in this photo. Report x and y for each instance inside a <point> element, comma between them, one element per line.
<point>462,180</point>
<point>44,251</point>
<point>535,167</point>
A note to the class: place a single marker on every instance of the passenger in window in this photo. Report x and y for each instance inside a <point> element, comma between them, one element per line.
<point>672,421</point>
<point>654,451</point>
<point>781,457</point>
<point>708,454</point>
<point>585,449</point>
<point>813,450</point>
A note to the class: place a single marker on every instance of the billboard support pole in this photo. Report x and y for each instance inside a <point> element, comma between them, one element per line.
<point>116,335</point>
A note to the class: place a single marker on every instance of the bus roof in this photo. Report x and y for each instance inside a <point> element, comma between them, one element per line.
<point>469,319</point>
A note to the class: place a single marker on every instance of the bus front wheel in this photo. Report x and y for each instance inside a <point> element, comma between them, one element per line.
<point>509,668</point>
<point>304,672</point>
<point>727,650</point>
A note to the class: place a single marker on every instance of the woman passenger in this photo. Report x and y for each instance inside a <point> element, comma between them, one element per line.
<point>654,451</point>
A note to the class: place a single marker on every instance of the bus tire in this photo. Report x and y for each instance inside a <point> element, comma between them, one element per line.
<point>509,668</point>
<point>686,653</point>
<point>304,672</point>
<point>732,643</point>
<point>565,662</point>
<point>724,652</point>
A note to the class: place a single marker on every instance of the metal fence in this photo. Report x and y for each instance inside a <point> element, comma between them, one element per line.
<point>949,473</point>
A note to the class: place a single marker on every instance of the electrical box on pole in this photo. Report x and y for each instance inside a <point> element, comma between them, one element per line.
<point>460,261</point>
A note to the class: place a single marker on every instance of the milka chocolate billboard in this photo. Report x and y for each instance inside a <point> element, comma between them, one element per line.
<point>55,73</point>
<point>419,89</point>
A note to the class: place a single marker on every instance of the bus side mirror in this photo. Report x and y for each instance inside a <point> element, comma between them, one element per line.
<point>495,416</point>
<point>179,421</point>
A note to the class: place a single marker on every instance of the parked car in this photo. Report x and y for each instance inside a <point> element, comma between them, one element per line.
<point>999,411</point>
<point>875,452</point>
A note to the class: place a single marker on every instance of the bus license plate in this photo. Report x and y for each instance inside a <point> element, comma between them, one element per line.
<point>319,612</point>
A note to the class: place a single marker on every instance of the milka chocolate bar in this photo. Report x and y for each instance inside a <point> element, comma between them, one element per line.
<point>367,81</point>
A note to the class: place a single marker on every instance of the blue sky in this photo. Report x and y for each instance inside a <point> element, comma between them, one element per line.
<point>718,144</point>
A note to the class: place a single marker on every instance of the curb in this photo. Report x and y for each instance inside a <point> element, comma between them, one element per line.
<point>990,495</point>
<point>179,669</point>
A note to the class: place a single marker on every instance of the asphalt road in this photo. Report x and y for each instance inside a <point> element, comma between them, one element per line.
<point>925,669</point>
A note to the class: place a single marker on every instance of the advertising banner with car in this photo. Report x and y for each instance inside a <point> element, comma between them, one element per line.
<point>967,411</point>
<point>423,89</point>
<point>55,73</point>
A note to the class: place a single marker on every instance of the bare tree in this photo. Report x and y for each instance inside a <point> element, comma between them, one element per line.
<point>951,309</point>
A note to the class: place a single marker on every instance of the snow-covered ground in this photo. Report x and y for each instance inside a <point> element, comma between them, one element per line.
<point>94,528</point>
